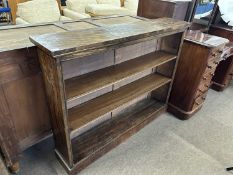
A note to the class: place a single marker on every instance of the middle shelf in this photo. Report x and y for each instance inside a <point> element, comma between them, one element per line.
<point>99,79</point>
<point>90,111</point>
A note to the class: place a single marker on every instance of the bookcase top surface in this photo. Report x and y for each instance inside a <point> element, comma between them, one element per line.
<point>95,38</point>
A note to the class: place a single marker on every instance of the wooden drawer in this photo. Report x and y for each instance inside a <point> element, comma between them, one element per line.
<point>215,54</point>
<point>199,100</point>
<point>203,86</point>
<point>210,68</point>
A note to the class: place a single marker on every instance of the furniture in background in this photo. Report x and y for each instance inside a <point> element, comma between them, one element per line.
<point>24,114</point>
<point>153,9</point>
<point>124,77</point>
<point>39,11</point>
<point>199,58</point>
<point>221,27</point>
<point>13,6</point>
<point>203,14</point>
<point>77,9</point>
<point>5,12</point>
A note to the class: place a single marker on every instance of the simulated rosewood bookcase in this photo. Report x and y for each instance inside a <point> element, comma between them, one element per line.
<point>104,84</point>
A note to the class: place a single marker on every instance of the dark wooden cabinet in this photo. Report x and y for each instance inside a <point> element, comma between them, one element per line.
<point>105,84</point>
<point>153,9</point>
<point>224,71</point>
<point>199,58</point>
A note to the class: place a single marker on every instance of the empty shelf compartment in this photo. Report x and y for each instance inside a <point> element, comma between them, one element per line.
<point>110,133</point>
<point>103,78</point>
<point>85,113</point>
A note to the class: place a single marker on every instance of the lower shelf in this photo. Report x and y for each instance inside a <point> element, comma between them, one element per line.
<point>99,140</point>
<point>84,114</point>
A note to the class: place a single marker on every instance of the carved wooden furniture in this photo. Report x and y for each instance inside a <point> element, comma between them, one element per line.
<point>104,84</point>
<point>224,71</point>
<point>199,58</point>
<point>153,9</point>
<point>24,113</point>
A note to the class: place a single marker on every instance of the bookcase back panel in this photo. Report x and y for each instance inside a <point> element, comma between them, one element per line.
<point>136,50</point>
<point>171,43</point>
<point>132,105</point>
<point>166,69</point>
<point>80,66</point>
<point>86,97</point>
<point>132,79</point>
<point>161,94</point>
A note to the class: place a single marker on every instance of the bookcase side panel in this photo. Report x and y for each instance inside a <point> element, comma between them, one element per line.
<point>52,73</point>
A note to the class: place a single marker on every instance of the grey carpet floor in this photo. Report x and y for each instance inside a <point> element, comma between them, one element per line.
<point>202,145</point>
<point>3,170</point>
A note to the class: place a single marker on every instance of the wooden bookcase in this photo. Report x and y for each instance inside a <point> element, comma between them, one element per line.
<point>104,84</point>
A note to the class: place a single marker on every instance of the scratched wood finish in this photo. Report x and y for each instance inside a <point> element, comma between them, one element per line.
<point>136,78</point>
<point>54,88</point>
<point>95,38</point>
<point>189,88</point>
<point>19,37</point>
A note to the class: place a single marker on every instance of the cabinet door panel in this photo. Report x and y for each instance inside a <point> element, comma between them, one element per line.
<point>27,105</point>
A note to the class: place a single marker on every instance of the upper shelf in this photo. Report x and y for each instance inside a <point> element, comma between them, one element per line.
<point>73,41</point>
<point>83,114</point>
<point>93,81</point>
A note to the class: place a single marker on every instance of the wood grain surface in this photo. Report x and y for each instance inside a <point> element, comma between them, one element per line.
<point>113,74</point>
<point>81,115</point>
<point>66,42</point>
<point>86,144</point>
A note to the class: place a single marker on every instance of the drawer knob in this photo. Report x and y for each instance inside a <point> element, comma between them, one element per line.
<point>197,103</point>
<point>214,54</point>
<point>220,51</point>
<point>200,90</point>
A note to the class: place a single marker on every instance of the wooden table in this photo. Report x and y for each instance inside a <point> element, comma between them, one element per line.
<point>24,113</point>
